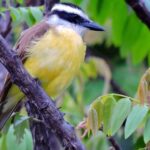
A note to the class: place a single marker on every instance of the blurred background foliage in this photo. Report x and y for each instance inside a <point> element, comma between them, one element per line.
<point>115,62</point>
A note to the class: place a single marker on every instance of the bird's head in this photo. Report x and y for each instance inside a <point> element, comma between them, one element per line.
<point>72,16</point>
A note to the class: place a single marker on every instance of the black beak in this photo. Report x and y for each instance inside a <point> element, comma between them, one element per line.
<point>93,26</point>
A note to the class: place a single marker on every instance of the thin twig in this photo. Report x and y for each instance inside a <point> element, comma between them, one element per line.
<point>114,143</point>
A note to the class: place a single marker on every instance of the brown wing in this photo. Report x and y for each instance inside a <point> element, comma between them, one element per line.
<point>28,35</point>
<point>24,41</point>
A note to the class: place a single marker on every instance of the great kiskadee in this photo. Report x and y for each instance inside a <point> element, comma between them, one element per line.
<point>52,51</point>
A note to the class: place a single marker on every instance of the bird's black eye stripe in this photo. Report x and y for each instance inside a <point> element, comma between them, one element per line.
<point>71,17</point>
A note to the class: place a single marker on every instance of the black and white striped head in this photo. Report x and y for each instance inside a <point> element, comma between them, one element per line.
<point>72,16</point>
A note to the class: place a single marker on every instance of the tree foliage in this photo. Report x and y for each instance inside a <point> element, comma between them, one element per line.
<point>122,56</point>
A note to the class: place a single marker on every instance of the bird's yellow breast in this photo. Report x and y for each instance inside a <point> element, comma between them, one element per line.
<point>55,59</point>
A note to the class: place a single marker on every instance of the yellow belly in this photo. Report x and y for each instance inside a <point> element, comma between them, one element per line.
<point>55,59</point>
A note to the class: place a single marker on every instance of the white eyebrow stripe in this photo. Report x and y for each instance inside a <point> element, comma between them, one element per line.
<point>69,9</point>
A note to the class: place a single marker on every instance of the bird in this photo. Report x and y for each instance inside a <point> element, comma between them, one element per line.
<point>52,51</point>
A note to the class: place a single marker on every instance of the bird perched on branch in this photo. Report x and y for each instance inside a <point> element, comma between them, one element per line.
<point>52,51</point>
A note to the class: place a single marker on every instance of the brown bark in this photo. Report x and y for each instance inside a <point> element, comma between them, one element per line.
<point>52,117</point>
<point>142,11</point>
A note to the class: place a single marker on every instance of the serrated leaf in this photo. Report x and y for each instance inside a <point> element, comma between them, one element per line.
<point>120,113</point>
<point>147,131</point>
<point>21,120</point>
<point>25,144</point>
<point>11,139</point>
<point>19,127</point>
<point>134,119</point>
<point>108,107</point>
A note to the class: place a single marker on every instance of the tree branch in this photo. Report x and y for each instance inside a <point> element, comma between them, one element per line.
<point>53,127</point>
<point>5,22</point>
<point>43,137</point>
<point>51,115</point>
<point>141,9</point>
<point>114,143</point>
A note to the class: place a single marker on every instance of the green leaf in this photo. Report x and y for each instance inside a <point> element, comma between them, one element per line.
<point>118,21</point>
<point>98,142</point>
<point>98,106</point>
<point>36,13</point>
<point>141,47</point>
<point>147,131</point>
<point>108,108</point>
<point>11,140</point>
<point>12,144</point>
<point>16,15</point>
<point>105,9</point>
<point>130,34</point>
<point>134,119</point>
<point>93,121</point>
<point>28,140</point>
<point>19,126</point>
<point>3,145</point>
<point>20,1</point>
<point>27,16</point>
<point>120,112</point>
<point>3,9</point>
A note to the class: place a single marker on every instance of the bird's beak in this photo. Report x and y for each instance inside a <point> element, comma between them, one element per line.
<point>93,26</point>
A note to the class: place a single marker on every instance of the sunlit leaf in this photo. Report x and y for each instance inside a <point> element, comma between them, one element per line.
<point>3,145</point>
<point>108,108</point>
<point>98,142</point>
<point>27,17</point>
<point>134,119</point>
<point>147,131</point>
<point>130,34</point>
<point>36,13</point>
<point>142,45</point>
<point>120,113</point>
<point>20,1</point>
<point>105,10</point>
<point>16,15</point>
<point>119,21</point>
<point>98,106</point>
<point>93,121</point>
